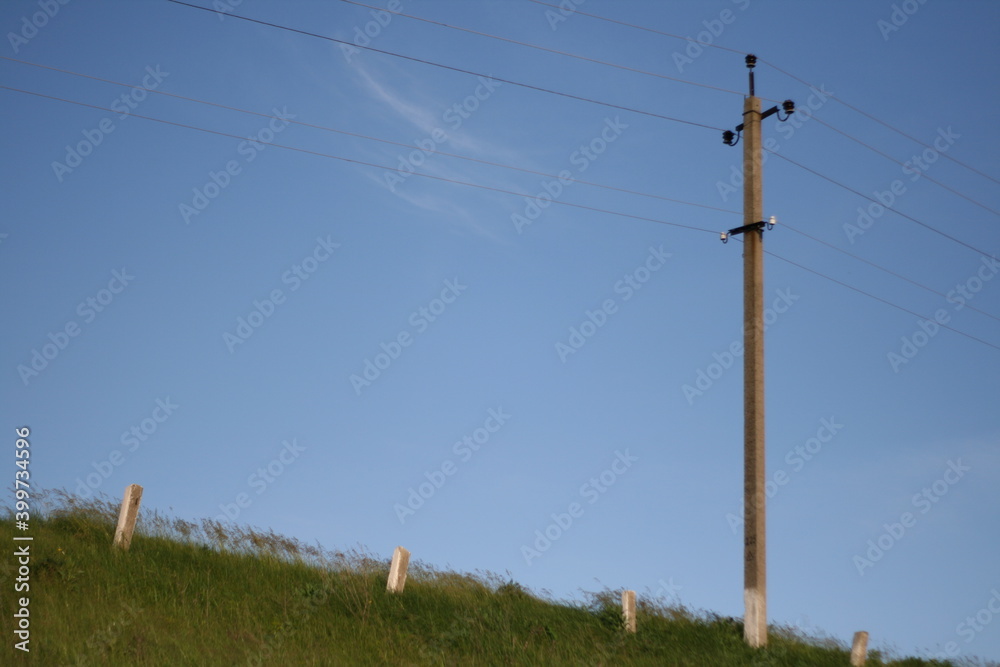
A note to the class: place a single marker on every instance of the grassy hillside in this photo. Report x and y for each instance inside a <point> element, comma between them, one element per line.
<point>212,594</point>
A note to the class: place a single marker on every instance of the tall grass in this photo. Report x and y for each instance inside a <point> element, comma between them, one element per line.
<point>217,594</point>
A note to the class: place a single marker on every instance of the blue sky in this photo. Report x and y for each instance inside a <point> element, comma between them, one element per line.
<point>365,356</point>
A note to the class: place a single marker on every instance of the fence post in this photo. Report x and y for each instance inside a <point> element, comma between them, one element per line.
<point>397,571</point>
<point>127,516</point>
<point>859,651</point>
<point>628,610</point>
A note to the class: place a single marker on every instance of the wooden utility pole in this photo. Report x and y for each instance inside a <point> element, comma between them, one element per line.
<point>754,497</point>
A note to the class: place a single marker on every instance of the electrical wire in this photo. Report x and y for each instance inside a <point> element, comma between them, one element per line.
<point>364,163</point>
<point>872,296</point>
<point>883,269</point>
<point>546,49</point>
<point>639,27</point>
<point>538,88</point>
<point>864,196</point>
<point>777,69</point>
<point>881,122</point>
<point>889,157</point>
<point>462,157</point>
<point>662,76</point>
<point>881,300</point>
<point>490,188</point>
<point>371,138</point>
<point>457,69</point>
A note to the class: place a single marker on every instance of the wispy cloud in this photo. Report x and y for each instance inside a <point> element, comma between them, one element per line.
<point>427,114</point>
<point>452,212</point>
<point>419,115</point>
<point>406,102</point>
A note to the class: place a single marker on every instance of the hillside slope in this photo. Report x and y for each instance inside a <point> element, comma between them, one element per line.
<point>214,594</point>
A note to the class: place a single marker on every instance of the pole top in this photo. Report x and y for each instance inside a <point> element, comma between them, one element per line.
<point>751,61</point>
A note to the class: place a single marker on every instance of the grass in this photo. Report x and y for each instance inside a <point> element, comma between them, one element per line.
<point>217,594</point>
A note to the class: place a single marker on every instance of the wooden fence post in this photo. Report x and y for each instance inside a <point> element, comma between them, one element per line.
<point>127,516</point>
<point>397,571</point>
<point>628,610</point>
<point>859,651</point>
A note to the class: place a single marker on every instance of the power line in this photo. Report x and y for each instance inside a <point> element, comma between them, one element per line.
<point>777,69</point>
<point>880,299</point>
<point>641,27</point>
<point>462,157</point>
<point>538,88</point>
<point>889,157</point>
<point>483,187</point>
<point>366,164</point>
<point>661,76</point>
<point>882,122</point>
<point>864,196</point>
<point>546,49</point>
<point>883,269</point>
<point>457,69</point>
<point>371,138</point>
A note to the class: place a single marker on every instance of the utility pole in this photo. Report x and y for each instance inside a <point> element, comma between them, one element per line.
<point>754,497</point>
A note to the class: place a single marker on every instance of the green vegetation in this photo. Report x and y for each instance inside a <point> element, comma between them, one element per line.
<point>214,594</point>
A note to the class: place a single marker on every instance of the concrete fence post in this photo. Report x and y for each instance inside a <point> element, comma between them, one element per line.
<point>628,610</point>
<point>859,651</point>
<point>397,571</point>
<point>127,516</point>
